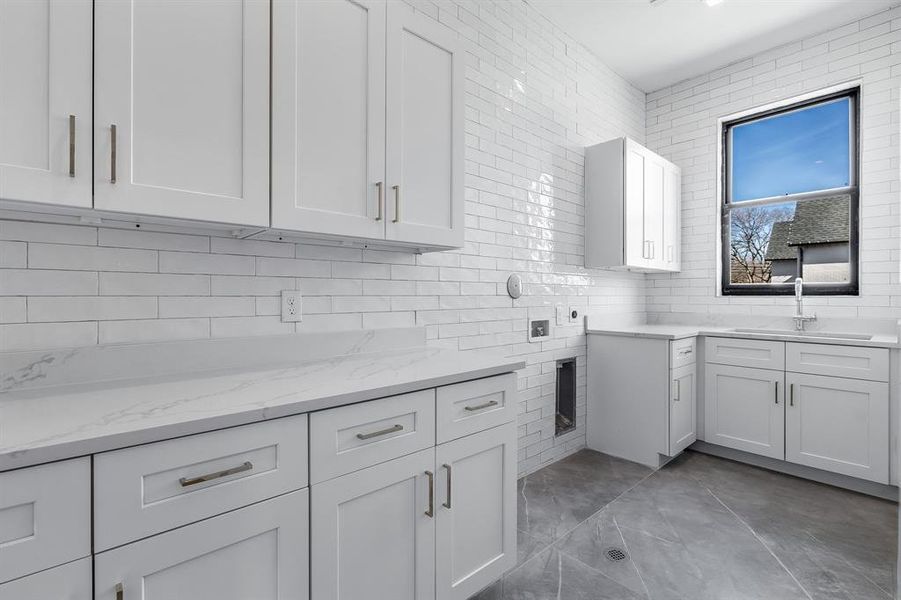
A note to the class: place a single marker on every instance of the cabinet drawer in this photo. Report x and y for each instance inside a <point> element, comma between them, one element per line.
<point>684,352</point>
<point>473,406</point>
<point>838,361</point>
<point>758,354</point>
<point>148,489</point>
<point>45,517</point>
<point>71,581</point>
<point>351,438</point>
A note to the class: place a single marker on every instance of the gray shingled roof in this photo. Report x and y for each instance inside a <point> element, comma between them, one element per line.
<point>820,221</point>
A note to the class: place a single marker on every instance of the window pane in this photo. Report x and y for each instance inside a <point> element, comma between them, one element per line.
<point>767,243</point>
<point>801,151</point>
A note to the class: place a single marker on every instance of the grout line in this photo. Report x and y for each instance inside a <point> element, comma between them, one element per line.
<point>762,543</point>
<point>634,564</point>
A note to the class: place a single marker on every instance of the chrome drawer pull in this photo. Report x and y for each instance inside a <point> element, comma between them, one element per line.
<point>448,503</point>
<point>369,436</point>
<point>686,352</point>
<point>431,511</point>
<point>488,404</point>
<point>185,481</point>
<point>381,188</point>
<point>396,189</point>
<point>71,145</point>
<point>120,591</point>
<point>112,154</point>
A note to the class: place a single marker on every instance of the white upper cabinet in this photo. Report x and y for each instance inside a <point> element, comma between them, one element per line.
<point>181,104</point>
<point>632,204</point>
<point>45,101</point>
<point>424,130</point>
<point>367,123</point>
<point>328,114</point>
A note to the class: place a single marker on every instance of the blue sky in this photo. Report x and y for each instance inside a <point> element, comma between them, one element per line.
<point>801,151</point>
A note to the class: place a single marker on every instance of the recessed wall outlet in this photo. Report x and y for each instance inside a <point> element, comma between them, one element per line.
<point>562,317</point>
<point>539,329</point>
<point>574,314</point>
<point>292,306</point>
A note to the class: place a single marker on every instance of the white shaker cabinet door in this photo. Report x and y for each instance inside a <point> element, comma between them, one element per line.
<point>671,251</point>
<point>683,416</point>
<point>259,552</point>
<point>181,105</point>
<point>839,425</point>
<point>745,410</point>
<point>371,534</point>
<point>328,117</point>
<point>45,101</point>
<point>71,581</point>
<point>424,130</point>
<point>476,520</point>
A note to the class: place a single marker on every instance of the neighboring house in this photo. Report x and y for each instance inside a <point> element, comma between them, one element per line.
<point>818,235</point>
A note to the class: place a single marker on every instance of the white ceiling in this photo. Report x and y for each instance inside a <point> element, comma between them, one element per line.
<point>655,46</point>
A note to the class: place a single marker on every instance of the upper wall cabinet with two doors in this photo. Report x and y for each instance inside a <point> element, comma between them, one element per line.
<point>633,201</point>
<point>365,132</point>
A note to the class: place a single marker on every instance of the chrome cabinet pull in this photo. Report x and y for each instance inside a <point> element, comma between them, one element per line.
<point>653,249</point>
<point>686,352</point>
<point>71,145</point>
<point>431,511</point>
<point>777,392</point>
<point>369,436</point>
<point>678,396</point>
<point>791,395</point>
<point>380,186</point>
<point>120,591</point>
<point>448,503</point>
<point>112,154</point>
<point>185,481</point>
<point>488,404</point>
<point>396,189</point>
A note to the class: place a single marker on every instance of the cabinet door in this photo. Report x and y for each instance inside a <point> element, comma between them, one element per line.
<point>182,88</point>
<point>839,425</point>
<point>371,534</point>
<point>744,409</point>
<point>672,218</point>
<point>476,521</point>
<point>45,101</point>
<point>683,416</point>
<point>328,117</point>
<point>654,185</point>
<point>424,130</point>
<point>257,552</point>
<point>71,581</point>
<point>637,250</point>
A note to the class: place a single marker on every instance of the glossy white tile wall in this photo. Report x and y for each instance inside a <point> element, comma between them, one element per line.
<point>682,126</point>
<point>534,99</point>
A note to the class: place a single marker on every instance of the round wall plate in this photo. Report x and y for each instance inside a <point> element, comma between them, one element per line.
<point>514,286</point>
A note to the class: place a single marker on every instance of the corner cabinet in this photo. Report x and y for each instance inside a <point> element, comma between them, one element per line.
<point>367,123</point>
<point>45,101</point>
<point>632,208</point>
<point>181,107</point>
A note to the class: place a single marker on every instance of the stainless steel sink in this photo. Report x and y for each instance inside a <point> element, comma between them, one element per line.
<point>808,334</point>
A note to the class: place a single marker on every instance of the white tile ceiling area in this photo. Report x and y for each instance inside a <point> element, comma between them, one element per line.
<point>654,45</point>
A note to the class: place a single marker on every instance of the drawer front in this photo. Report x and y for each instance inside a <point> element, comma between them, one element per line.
<point>152,488</point>
<point>838,361</point>
<point>473,406</point>
<point>757,354</point>
<point>350,438</point>
<point>684,352</point>
<point>45,517</point>
<point>71,581</point>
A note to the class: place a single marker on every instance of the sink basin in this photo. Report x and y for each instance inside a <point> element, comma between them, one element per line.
<point>810,334</point>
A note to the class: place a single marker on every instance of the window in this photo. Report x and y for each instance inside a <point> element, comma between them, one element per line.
<point>790,199</point>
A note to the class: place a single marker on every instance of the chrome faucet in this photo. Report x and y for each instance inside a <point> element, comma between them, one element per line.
<point>800,318</point>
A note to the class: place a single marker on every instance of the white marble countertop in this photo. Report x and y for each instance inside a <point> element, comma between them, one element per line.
<point>676,332</point>
<point>64,421</point>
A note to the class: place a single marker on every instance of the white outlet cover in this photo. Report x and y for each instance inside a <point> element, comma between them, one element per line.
<point>292,306</point>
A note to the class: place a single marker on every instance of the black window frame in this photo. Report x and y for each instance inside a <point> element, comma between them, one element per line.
<point>852,287</point>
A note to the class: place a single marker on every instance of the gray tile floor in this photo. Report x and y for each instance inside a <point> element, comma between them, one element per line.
<point>701,528</point>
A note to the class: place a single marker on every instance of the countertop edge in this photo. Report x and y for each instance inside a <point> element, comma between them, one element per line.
<point>16,459</point>
<point>702,332</point>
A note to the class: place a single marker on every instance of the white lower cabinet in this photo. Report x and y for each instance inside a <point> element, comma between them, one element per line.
<point>683,415</point>
<point>372,535</point>
<point>838,425</point>
<point>259,552</point>
<point>744,409</point>
<point>71,581</point>
<point>476,514</point>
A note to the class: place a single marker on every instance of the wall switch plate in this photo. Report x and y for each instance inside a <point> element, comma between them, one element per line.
<point>562,316</point>
<point>292,306</point>
<point>539,329</point>
<point>574,314</point>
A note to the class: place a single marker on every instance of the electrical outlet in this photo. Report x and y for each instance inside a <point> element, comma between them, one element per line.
<point>574,314</point>
<point>292,306</point>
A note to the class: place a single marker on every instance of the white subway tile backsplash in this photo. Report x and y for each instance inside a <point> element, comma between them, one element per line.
<point>214,264</point>
<point>45,336</point>
<point>212,306</point>
<point>153,330</point>
<point>24,231</point>
<point>153,284</point>
<point>12,310</point>
<point>90,308</point>
<point>90,258</point>
<point>13,255</point>
<point>21,282</point>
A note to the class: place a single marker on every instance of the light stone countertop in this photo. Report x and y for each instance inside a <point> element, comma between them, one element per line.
<point>63,421</point>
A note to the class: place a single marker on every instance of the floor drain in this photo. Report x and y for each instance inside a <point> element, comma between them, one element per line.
<point>615,554</point>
